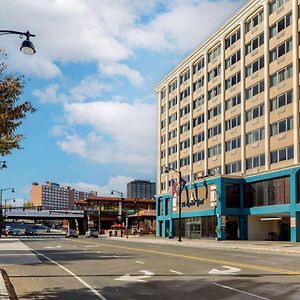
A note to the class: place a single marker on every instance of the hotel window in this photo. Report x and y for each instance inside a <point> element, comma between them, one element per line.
<point>185,144</point>
<point>173,118</point>
<point>255,43</point>
<point>254,21</point>
<point>184,161</point>
<point>172,149</point>
<point>198,156</point>
<point>255,161</point>
<point>214,73</point>
<point>173,165</point>
<point>198,66</point>
<point>185,110</point>
<point>233,196</point>
<point>254,112</point>
<point>215,91</point>
<point>214,171</point>
<point>282,154</point>
<point>163,124</point>
<point>232,39</point>
<point>282,100</point>
<point>233,101</point>
<point>185,76</point>
<point>255,135</point>
<point>233,167</point>
<point>214,111</point>
<point>163,109</point>
<point>281,75</point>
<point>214,131</point>
<point>281,126</point>
<point>233,122</point>
<point>172,134</point>
<point>198,102</point>
<point>233,144</point>
<point>214,53</point>
<point>172,86</point>
<point>255,66</point>
<point>275,4</point>
<point>281,25</point>
<point>281,50</point>
<point>255,90</point>
<point>229,62</point>
<point>233,80</point>
<point>185,127</point>
<point>198,84</point>
<point>185,93</point>
<point>198,120</point>
<point>163,94</point>
<point>197,138</point>
<point>173,102</point>
<point>215,150</point>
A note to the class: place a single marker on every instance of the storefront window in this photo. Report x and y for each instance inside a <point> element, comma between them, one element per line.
<point>267,192</point>
<point>233,196</point>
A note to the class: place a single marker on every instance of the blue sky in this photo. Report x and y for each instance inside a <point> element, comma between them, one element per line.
<point>92,81</point>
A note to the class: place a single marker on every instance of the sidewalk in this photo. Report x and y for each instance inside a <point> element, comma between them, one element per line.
<point>269,246</point>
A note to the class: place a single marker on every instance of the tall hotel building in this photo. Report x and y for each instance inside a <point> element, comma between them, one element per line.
<point>228,119</point>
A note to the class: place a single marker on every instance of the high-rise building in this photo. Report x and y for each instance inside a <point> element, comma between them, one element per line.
<point>141,189</point>
<point>231,110</point>
<point>53,196</point>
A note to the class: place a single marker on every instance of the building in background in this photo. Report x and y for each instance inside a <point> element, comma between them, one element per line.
<point>141,189</point>
<point>53,196</point>
<point>228,119</point>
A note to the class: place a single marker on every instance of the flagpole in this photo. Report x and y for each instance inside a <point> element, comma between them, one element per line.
<point>179,202</point>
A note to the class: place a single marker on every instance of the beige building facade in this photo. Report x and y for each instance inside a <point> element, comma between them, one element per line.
<point>232,106</point>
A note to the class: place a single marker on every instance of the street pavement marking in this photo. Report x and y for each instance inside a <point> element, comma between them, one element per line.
<point>240,291</point>
<point>228,271</point>
<point>176,272</point>
<point>139,262</point>
<point>242,255</point>
<point>3,290</point>
<point>215,261</point>
<point>72,274</point>
<point>136,278</point>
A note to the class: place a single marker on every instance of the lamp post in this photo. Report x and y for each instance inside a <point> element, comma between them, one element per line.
<point>138,213</point>
<point>27,46</point>
<point>3,164</point>
<point>167,170</point>
<point>1,212</point>
<point>5,207</point>
<point>120,203</point>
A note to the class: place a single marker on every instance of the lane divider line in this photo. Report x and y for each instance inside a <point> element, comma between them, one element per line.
<point>240,291</point>
<point>139,262</point>
<point>210,260</point>
<point>176,272</point>
<point>72,274</point>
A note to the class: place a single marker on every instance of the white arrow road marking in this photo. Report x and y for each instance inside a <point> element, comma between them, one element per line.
<point>228,271</point>
<point>136,278</point>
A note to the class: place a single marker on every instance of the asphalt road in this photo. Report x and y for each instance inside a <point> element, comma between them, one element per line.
<point>106,269</point>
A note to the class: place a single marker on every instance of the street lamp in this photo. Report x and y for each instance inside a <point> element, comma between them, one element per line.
<point>120,203</point>
<point>5,207</point>
<point>1,215</point>
<point>167,170</point>
<point>3,164</point>
<point>136,201</point>
<point>27,46</point>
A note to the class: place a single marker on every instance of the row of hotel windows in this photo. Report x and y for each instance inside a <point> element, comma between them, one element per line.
<point>249,47</point>
<point>251,91</point>
<point>278,155</point>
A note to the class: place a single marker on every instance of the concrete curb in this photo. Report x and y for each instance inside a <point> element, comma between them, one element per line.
<point>7,290</point>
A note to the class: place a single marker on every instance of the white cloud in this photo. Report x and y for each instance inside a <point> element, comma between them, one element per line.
<point>118,183</point>
<point>121,133</point>
<point>114,69</point>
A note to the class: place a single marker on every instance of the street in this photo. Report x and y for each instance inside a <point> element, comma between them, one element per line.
<point>103,268</point>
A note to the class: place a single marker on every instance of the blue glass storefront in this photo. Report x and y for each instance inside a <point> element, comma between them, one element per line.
<point>259,207</point>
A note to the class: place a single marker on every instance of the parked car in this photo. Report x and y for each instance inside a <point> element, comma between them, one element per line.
<point>71,233</point>
<point>30,231</point>
<point>92,233</point>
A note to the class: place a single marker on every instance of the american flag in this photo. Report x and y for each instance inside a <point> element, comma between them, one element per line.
<point>173,187</point>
